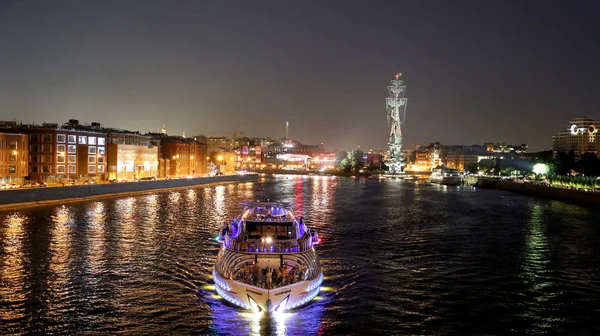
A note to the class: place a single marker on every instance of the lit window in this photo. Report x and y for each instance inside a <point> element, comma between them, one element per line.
<point>92,150</point>
<point>60,159</point>
<point>91,169</point>
<point>12,169</point>
<point>101,142</point>
<point>82,140</point>
<point>72,169</point>
<point>72,158</point>
<point>100,159</point>
<point>72,149</point>
<point>101,150</point>
<point>91,140</point>
<point>60,169</point>
<point>61,148</point>
<point>72,139</point>
<point>91,159</point>
<point>61,138</point>
<point>100,169</point>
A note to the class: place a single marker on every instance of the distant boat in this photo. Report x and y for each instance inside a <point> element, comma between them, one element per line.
<point>446,176</point>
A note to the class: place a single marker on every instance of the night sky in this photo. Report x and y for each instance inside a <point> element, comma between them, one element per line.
<point>476,71</point>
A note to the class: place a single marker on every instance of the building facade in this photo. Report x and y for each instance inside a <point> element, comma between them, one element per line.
<point>290,154</point>
<point>58,153</point>
<point>14,157</point>
<point>131,156</point>
<point>181,157</point>
<point>581,136</point>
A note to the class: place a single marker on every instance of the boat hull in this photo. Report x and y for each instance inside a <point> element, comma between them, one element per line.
<point>274,300</point>
<point>447,180</point>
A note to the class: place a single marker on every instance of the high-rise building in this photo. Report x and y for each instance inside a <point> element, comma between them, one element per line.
<point>581,136</point>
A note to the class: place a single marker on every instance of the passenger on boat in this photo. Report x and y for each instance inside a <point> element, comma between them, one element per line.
<point>269,278</point>
<point>255,273</point>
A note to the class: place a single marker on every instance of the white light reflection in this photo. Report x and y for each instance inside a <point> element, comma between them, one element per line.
<point>96,218</point>
<point>537,275</point>
<point>192,196</point>
<point>220,199</point>
<point>231,321</point>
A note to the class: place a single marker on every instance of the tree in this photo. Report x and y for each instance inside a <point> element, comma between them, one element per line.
<point>487,165</point>
<point>356,159</point>
<point>353,161</point>
<point>588,165</point>
<point>339,157</point>
<point>562,163</point>
<point>471,167</point>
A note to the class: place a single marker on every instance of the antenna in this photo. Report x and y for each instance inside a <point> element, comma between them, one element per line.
<point>287,127</point>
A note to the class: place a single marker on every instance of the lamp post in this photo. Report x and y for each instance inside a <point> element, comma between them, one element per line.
<point>176,159</point>
<point>190,171</point>
<point>220,161</point>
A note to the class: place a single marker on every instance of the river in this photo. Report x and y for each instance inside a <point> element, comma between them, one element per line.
<point>399,258</point>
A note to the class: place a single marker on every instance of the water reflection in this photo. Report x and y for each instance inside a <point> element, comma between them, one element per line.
<point>230,321</point>
<point>404,258</point>
<point>536,273</point>
<point>12,270</point>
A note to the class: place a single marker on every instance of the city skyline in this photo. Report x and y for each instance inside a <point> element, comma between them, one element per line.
<point>475,72</point>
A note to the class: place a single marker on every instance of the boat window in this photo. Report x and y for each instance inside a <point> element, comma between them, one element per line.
<point>256,230</point>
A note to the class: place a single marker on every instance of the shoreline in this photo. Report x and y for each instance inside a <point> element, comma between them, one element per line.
<point>89,193</point>
<point>577,197</point>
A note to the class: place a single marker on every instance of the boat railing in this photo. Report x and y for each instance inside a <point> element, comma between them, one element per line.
<point>278,246</point>
<point>292,268</point>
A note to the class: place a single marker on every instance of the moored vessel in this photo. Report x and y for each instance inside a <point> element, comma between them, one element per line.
<point>446,176</point>
<point>267,261</point>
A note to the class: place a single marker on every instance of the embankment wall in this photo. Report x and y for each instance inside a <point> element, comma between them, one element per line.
<point>18,198</point>
<point>566,195</point>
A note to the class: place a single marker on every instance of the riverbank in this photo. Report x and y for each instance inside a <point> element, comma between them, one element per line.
<point>579,197</point>
<point>21,198</point>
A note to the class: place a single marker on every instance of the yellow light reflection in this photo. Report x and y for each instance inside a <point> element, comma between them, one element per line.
<point>11,265</point>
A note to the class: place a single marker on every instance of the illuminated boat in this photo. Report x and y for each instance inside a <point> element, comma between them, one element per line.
<point>446,176</point>
<point>267,261</point>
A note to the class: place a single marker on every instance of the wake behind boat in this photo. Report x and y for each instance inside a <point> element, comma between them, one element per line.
<point>267,261</point>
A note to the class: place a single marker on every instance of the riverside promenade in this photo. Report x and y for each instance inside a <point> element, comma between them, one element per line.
<point>580,197</point>
<point>21,198</point>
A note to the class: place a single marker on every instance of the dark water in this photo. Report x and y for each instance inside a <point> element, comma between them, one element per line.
<point>399,258</point>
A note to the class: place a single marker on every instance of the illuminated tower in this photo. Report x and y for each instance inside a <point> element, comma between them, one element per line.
<point>396,113</point>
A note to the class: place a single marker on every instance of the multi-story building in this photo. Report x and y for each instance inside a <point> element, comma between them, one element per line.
<point>462,159</point>
<point>57,153</point>
<point>581,136</point>
<point>290,154</point>
<point>131,155</point>
<point>324,161</point>
<point>501,147</point>
<point>427,158</point>
<point>248,156</point>
<point>180,156</point>
<point>14,154</point>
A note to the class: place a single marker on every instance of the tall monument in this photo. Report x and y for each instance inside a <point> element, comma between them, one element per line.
<point>396,102</point>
